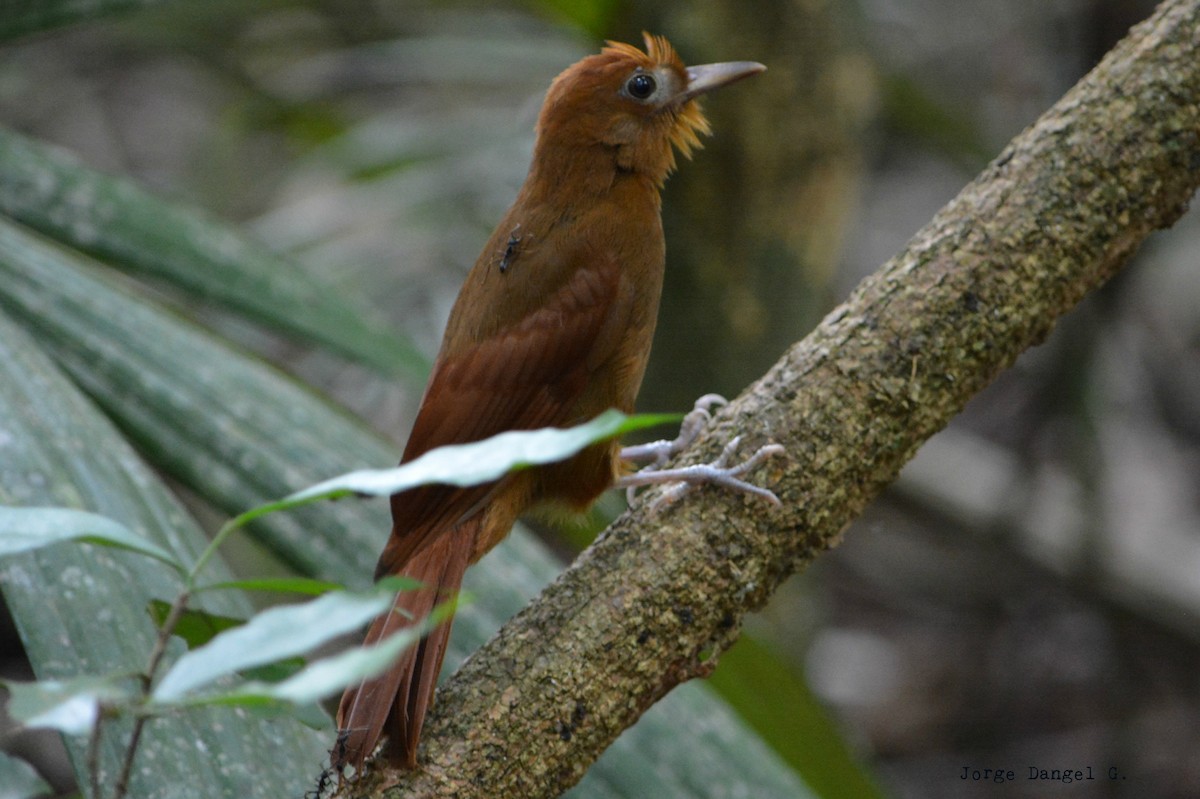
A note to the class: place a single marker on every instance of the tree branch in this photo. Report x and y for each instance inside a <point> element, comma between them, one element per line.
<point>659,597</point>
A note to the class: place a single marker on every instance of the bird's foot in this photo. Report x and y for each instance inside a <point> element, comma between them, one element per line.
<point>685,478</point>
<point>659,452</point>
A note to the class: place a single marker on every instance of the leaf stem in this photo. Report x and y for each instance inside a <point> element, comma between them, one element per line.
<point>139,722</point>
<point>164,636</point>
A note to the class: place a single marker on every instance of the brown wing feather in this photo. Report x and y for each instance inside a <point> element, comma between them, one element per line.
<point>526,376</point>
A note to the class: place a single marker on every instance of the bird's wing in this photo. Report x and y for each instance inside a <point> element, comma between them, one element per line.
<point>525,376</point>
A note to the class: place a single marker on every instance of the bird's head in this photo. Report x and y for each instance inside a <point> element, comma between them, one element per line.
<point>638,107</point>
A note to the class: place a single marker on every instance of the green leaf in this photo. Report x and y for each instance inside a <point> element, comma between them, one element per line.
<point>25,529</point>
<point>275,634</point>
<point>195,627</point>
<point>118,222</point>
<point>69,706</point>
<point>482,461</point>
<point>465,464</point>
<point>19,780</point>
<point>330,675</point>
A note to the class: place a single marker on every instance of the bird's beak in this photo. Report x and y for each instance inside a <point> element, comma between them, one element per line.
<point>706,77</point>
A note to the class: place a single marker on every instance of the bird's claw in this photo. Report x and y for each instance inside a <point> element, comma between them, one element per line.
<point>659,452</point>
<point>685,478</point>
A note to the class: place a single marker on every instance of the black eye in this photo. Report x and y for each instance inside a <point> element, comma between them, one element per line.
<point>641,86</point>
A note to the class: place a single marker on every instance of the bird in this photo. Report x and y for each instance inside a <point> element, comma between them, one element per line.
<point>551,327</point>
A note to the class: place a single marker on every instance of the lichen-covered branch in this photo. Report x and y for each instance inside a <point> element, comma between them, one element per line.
<point>660,596</point>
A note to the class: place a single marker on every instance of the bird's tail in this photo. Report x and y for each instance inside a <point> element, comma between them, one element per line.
<point>397,700</point>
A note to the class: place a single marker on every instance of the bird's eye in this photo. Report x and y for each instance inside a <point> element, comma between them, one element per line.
<point>641,86</point>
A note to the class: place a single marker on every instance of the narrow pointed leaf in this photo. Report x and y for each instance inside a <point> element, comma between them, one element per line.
<point>482,461</point>
<point>275,634</point>
<point>118,222</point>
<point>195,627</point>
<point>25,529</point>
<point>329,676</point>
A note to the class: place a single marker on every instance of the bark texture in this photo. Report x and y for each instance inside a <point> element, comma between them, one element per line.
<point>657,599</point>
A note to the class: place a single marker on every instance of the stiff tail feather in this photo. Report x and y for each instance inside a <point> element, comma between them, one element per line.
<point>397,700</point>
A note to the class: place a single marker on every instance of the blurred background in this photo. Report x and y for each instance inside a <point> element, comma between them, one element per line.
<point>1028,594</point>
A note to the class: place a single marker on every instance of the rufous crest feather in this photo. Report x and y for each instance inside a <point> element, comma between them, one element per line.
<point>689,120</point>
